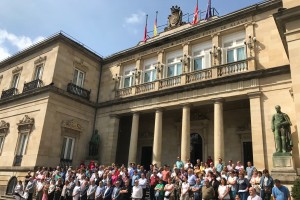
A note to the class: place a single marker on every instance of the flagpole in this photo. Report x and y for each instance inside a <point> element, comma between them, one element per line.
<point>145,31</point>
<point>155,25</point>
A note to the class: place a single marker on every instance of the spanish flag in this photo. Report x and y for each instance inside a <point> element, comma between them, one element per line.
<point>195,19</point>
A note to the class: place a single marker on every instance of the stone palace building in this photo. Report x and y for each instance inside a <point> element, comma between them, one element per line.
<point>192,91</point>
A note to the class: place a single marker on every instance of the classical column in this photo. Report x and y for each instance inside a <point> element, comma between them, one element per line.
<point>257,130</point>
<point>218,130</point>
<point>185,133</point>
<point>133,138</point>
<point>157,140</point>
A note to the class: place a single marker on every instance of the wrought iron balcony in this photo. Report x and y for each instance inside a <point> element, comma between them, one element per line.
<point>8,93</point>
<point>18,160</point>
<point>79,91</point>
<point>32,85</point>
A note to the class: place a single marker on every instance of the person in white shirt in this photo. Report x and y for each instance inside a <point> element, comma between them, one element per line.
<point>137,191</point>
<point>143,183</point>
<point>253,195</point>
<point>76,191</point>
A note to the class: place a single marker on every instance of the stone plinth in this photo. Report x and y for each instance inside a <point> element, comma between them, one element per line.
<point>283,168</point>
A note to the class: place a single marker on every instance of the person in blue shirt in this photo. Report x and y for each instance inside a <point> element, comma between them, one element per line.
<point>179,163</point>
<point>220,166</point>
<point>134,177</point>
<point>249,170</point>
<point>280,192</point>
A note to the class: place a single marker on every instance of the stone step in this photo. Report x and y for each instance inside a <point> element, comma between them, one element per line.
<point>6,197</point>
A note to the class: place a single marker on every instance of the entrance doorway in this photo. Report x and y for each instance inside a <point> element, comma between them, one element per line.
<point>196,148</point>
<point>11,185</point>
<point>247,152</point>
<point>146,158</point>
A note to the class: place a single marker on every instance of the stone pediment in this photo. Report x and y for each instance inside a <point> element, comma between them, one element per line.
<point>72,124</point>
<point>40,60</point>
<point>26,123</point>
<point>4,126</point>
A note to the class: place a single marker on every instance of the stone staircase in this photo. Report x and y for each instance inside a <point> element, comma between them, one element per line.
<point>6,197</point>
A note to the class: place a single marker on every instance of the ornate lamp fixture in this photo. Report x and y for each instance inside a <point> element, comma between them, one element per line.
<point>250,43</point>
<point>215,52</point>
<point>185,60</point>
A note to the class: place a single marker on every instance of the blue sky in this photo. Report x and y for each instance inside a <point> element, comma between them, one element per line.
<point>106,26</point>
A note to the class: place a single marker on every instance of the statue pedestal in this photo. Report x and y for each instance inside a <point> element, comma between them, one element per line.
<point>284,168</point>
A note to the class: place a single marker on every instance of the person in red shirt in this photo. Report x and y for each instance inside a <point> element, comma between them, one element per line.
<point>153,182</point>
<point>166,174</point>
<point>209,160</point>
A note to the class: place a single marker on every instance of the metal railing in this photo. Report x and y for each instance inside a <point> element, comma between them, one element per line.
<point>8,93</point>
<point>79,91</point>
<point>32,85</point>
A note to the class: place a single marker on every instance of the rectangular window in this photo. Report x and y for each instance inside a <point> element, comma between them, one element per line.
<point>38,72</point>
<point>174,66</point>
<point>78,78</point>
<point>233,48</point>
<point>22,144</point>
<point>149,71</point>
<point>15,81</point>
<point>201,58</point>
<point>1,143</point>
<point>67,148</point>
<point>128,76</point>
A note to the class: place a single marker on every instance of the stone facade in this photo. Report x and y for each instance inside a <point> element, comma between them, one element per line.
<point>193,91</point>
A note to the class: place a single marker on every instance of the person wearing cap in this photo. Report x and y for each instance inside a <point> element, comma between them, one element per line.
<point>137,191</point>
<point>208,191</point>
<point>253,195</point>
<point>280,192</point>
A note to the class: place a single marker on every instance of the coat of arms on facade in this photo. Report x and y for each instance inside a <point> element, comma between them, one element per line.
<point>175,19</point>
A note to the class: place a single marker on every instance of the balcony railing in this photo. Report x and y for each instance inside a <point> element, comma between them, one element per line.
<point>198,76</point>
<point>189,78</point>
<point>8,93</point>
<point>79,91</point>
<point>170,82</point>
<point>124,92</point>
<point>233,68</point>
<point>32,85</point>
<point>18,160</point>
<point>146,87</point>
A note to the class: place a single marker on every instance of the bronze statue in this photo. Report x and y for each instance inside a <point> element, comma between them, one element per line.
<point>281,127</point>
<point>94,144</point>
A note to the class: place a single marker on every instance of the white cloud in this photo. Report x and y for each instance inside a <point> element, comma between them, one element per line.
<point>3,53</point>
<point>20,42</point>
<point>135,18</point>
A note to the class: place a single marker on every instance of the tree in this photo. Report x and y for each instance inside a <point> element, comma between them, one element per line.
<point>296,189</point>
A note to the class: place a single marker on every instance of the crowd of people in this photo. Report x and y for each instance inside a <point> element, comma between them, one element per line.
<point>182,181</point>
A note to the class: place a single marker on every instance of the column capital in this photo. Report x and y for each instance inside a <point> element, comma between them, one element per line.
<point>159,109</point>
<point>218,100</point>
<point>135,112</point>
<point>253,95</point>
<point>186,105</point>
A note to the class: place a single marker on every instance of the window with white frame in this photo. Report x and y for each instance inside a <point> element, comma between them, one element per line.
<point>15,80</point>
<point>2,137</point>
<point>201,57</point>
<point>128,76</point>
<point>174,65</point>
<point>78,78</point>
<point>149,73</point>
<point>67,148</point>
<point>233,48</point>
<point>38,72</point>
<point>23,140</point>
